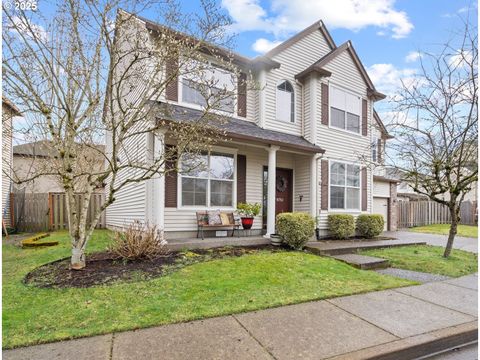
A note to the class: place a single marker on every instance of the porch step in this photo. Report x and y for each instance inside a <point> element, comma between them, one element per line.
<point>338,247</point>
<point>363,262</point>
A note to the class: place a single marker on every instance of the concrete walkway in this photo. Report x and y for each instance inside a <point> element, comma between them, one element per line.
<point>352,327</point>
<point>462,243</point>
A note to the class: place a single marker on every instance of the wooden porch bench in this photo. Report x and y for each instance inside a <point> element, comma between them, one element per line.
<point>228,222</point>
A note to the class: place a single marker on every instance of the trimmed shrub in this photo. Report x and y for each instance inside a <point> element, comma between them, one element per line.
<point>139,241</point>
<point>295,228</point>
<point>341,226</point>
<point>370,225</point>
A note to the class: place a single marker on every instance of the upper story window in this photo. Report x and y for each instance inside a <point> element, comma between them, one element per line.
<point>344,186</point>
<point>345,110</point>
<point>207,179</point>
<point>285,101</point>
<point>202,82</point>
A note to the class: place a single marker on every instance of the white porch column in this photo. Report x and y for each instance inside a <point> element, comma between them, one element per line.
<point>158,215</point>
<point>314,184</point>
<point>272,173</point>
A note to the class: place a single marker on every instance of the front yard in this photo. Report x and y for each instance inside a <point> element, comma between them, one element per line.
<point>428,259</point>
<point>230,285</point>
<point>443,229</point>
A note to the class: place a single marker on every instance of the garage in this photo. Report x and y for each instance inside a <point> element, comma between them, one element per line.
<point>380,206</point>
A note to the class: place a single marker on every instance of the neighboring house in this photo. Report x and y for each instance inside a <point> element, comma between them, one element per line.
<point>9,111</point>
<point>35,158</point>
<point>406,193</point>
<point>306,131</point>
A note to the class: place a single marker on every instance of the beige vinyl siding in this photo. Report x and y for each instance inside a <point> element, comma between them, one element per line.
<point>293,60</point>
<point>339,144</point>
<point>252,105</point>
<point>6,160</point>
<point>178,219</point>
<point>302,184</point>
<point>130,200</point>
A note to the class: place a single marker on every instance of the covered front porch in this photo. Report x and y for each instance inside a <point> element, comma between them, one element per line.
<point>253,165</point>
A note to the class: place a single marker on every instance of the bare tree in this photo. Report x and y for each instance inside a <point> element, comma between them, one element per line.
<point>90,69</point>
<point>436,126</point>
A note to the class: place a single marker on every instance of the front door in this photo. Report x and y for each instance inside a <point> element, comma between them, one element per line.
<point>283,191</point>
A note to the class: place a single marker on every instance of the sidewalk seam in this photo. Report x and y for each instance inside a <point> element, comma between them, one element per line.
<point>111,346</point>
<point>253,337</point>
<point>361,318</point>
<point>460,286</point>
<point>432,303</point>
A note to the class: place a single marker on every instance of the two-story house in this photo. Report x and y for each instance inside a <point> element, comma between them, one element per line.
<point>303,141</point>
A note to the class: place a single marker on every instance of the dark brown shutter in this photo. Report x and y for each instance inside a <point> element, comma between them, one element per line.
<point>379,150</point>
<point>324,187</point>
<point>171,181</point>
<point>325,104</point>
<point>364,189</point>
<point>241,179</point>
<point>242,95</point>
<point>364,118</point>
<point>171,90</point>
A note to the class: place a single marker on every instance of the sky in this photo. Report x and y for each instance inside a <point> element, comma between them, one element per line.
<point>386,34</point>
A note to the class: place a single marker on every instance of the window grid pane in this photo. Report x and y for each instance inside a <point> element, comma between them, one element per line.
<point>344,186</point>
<point>338,118</point>
<point>337,197</point>
<point>353,123</point>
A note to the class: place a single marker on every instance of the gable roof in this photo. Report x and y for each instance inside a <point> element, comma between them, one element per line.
<point>380,123</point>
<point>43,148</point>
<point>347,46</point>
<point>319,25</point>
<point>7,102</point>
<point>209,48</point>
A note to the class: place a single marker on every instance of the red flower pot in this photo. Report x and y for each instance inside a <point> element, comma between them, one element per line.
<point>247,222</point>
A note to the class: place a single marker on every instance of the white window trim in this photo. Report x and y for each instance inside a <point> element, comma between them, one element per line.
<point>234,113</point>
<point>294,102</point>
<point>220,149</point>
<point>335,210</point>
<point>330,110</point>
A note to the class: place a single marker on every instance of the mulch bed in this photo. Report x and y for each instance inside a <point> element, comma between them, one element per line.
<point>104,268</point>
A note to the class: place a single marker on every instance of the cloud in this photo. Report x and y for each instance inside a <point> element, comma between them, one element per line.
<point>460,59</point>
<point>286,16</point>
<point>28,29</point>
<point>388,79</point>
<point>412,56</point>
<point>262,45</point>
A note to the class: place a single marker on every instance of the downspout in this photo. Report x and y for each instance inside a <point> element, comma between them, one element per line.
<point>370,152</point>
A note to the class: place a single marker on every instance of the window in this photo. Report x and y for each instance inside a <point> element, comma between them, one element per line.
<point>345,110</point>
<point>374,149</point>
<point>344,186</point>
<point>285,102</point>
<point>207,179</point>
<point>205,81</point>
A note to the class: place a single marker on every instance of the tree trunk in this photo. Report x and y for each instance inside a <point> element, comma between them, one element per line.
<point>78,258</point>
<point>454,212</point>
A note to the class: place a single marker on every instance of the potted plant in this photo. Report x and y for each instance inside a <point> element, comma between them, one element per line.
<point>248,213</point>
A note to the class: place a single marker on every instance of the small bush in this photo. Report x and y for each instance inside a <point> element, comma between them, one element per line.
<point>139,241</point>
<point>295,228</point>
<point>341,226</point>
<point>370,225</point>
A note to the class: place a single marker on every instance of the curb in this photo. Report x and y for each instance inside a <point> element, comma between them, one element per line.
<point>417,346</point>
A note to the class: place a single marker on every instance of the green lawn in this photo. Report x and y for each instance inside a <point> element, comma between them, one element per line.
<point>428,259</point>
<point>230,285</point>
<point>443,229</point>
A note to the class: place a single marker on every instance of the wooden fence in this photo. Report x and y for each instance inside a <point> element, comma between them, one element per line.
<point>420,213</point>
<point>33,212</point>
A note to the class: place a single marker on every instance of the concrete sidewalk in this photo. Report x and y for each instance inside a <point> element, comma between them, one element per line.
<point>352,327</point>
<point>461,243</point>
